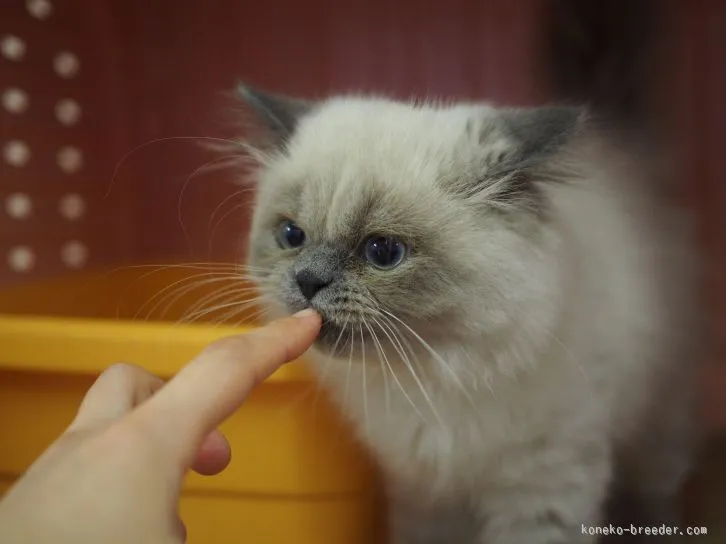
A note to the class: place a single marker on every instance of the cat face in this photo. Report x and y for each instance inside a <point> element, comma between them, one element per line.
<point>401,223</point>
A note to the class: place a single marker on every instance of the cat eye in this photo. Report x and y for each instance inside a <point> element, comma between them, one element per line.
<point>289,235</point>
<point>384,252</point>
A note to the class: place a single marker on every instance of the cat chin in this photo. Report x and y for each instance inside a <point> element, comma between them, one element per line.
<point>334,337</point>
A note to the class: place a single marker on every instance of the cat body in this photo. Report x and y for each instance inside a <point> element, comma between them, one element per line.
<point>531,354</point>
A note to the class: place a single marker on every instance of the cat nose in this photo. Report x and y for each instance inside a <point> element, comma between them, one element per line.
<point>310,283</point>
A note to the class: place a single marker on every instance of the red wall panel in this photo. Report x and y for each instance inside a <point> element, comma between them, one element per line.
<point>157,70</point>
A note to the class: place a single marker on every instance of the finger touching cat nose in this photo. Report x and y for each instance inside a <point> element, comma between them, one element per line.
<point>310,282</point>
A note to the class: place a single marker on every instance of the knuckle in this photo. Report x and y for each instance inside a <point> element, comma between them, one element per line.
<point>131,379</point>
<point>119,368</point>
<point>122,371</point>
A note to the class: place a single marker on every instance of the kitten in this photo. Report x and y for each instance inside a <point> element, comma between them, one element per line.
<point>508,313</point>
<point>509,307</point>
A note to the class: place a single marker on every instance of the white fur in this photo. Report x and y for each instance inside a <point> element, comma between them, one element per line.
<point>562,366</point>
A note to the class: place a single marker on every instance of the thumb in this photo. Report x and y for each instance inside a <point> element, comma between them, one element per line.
<point>216,383</point>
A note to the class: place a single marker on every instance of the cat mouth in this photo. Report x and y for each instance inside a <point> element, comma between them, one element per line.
<point>338,337</point>
<point>354,338</point>
<point>340,333</point>
<point>332,332</point>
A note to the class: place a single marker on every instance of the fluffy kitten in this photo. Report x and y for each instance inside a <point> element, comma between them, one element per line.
<point>509,306</point>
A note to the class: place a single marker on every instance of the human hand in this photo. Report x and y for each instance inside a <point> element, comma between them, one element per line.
<point>115,475</point>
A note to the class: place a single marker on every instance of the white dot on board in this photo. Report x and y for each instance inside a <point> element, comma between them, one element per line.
<point>18,206</point>
<point>74,254</point>
<point>66,64</point>
<point>40,9</point>
<point>67,112</point>
<point>21,259</point>
<point>12,47</point>
<point>15,100</point>
<point>16,153</point>
<point>70,159</point>
<point>72,207</point>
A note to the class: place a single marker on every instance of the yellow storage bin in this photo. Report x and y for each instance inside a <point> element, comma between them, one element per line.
<point>296,475</point>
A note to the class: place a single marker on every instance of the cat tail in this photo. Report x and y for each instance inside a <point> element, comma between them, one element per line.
<point>603,54</point>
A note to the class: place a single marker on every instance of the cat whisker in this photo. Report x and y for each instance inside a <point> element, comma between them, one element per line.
<point>350,360</point>
<point>365,400</point>
<point>207,299</point>
<point>213,226</point>
<point>238,305</point>
<point>395,377</point>
<point>329,361</point>
<point>362,344</point>
<point>139,279</point>
<point>197,280</point>
<point>246,190</point>
<point>315,386</point>
<point>237,145</point>
<point>231,290</point>
<point>384,373</point>
<point>176,291</point>
<point>226,318</point>
<point>434,354</point>
<point>252,318</point>
<point>221,220</point>
<point>204,269</point>
<point>180,200</point>
<point>396,341</point>
<point>232,270</point>
<point>431,351</point>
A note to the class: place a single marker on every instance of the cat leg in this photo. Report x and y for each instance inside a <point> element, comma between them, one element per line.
<point>547,497</point>
<point>653,469</point>
<point>414,521</point>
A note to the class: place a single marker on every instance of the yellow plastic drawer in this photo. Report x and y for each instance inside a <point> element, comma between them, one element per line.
<point>296,475</point>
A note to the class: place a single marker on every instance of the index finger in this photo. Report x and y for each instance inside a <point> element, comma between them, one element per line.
<point>215,384</point>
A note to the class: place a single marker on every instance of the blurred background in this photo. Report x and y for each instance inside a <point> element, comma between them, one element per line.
<point>86,84</point>
<point>103,104</point>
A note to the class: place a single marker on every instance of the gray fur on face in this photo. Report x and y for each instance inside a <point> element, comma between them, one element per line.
<point>513,358</point>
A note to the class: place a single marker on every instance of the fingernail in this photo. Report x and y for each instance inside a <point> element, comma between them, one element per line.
<point>307,312</point>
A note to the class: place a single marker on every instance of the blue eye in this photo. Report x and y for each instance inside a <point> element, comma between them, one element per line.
<point>290,236</point>
<point>384,252</point>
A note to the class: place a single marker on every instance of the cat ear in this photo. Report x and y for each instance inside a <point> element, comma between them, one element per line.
<point>532,136</point>
<point>272,118</point>
<point>539,132</point>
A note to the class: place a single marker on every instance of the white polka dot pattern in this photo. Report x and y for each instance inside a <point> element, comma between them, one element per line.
<point>12,48</point>
<point>30,166</point>
<point>72,207</point>
<point>40,9</point>
<point>15,100</point>
<point>21,259</point>
<point>68,112</point>
<point>16,153</point>
<point>66,65</point>
<point>70,159</point>
<point>74,254</point>
<point>18,206</point>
